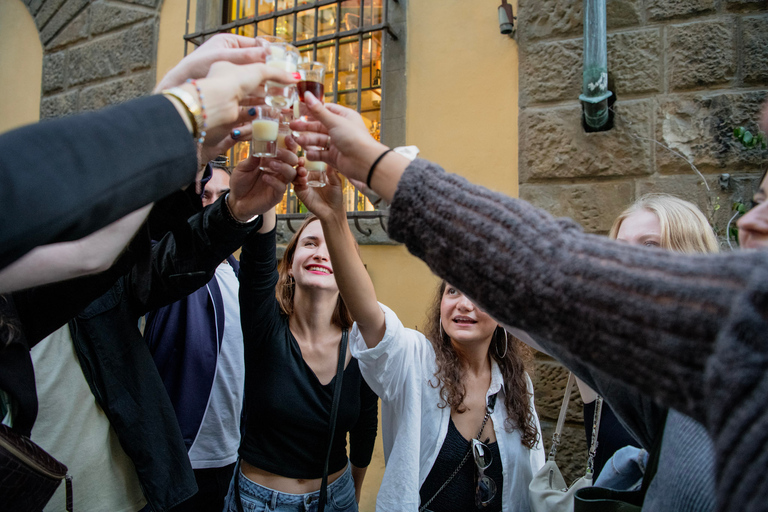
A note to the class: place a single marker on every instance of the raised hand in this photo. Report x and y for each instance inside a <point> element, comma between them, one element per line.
<point>349,147</point>
<point>325,202</point>
<point>226,47</point>
<point>253,191</point>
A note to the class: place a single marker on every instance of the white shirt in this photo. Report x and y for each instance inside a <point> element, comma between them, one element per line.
<point>72,427</point>
<point>218,439</point>
<point>399,370</point>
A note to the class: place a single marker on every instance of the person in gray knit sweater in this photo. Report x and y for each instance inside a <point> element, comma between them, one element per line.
<point>694,326</point>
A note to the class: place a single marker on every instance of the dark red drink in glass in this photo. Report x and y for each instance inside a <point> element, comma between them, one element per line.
<point>316,88</point>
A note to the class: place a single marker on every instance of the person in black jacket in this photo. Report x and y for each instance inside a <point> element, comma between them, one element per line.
<point>86,171</point>
<point>114,357</point>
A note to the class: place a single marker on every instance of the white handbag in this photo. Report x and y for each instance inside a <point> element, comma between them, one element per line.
<point>548,491</point>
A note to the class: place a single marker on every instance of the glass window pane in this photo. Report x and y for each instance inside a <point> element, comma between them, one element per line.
<point>248,31</point>
<point>305,54</point>
<point>350,15</point>
<point>349,195</point>
<point>266,27</point>
<point>285,27</point>
<point>304,2</point>
<point>247,8</point>
<point>349,51</point>
<point>284,4</point>
<point>326,53</point>
<point>266,7</point>
<point>326,23</point>
<point>377,9</point>
<point>348,100</point>
<point>240,152</point>
<point>305,25</point>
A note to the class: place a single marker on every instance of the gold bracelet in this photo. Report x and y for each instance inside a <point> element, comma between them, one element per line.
<point>193,108</point>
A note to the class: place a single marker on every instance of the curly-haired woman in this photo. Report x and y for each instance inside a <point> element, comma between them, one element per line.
<point>459,427</point>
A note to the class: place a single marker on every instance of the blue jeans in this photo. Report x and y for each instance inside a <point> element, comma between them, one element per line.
<point>257,498</point>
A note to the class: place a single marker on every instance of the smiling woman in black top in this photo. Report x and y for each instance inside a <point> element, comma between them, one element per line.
<point>292,344</point>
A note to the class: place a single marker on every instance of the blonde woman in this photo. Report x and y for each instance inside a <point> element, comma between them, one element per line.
<point>685,478</point>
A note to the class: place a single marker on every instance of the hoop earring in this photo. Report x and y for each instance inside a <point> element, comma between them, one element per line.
<point>506,345</point>
<point>442,332</point>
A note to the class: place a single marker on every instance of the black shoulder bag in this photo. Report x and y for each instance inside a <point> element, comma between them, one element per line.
<point>332,429</point>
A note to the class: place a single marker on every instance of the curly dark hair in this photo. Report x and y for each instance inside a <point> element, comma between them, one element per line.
<point>450,373</point>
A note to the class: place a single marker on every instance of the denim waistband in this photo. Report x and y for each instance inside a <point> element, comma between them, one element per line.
<point>250,489</point>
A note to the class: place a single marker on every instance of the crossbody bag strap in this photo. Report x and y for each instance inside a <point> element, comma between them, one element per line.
<point>334,413</point>
<point>561,419</point>
<point>595,433</point>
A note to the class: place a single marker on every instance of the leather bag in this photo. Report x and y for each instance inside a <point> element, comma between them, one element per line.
<point>29,474</point>
<point>548,491</point>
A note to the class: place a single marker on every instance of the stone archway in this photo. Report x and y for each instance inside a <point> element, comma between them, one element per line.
<point>95,53</point>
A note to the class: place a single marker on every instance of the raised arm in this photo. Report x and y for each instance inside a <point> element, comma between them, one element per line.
<point>68,260</point>
<point>352,278</point>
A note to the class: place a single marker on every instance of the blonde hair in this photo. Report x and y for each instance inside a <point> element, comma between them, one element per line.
<point>286,286</point>
<point>684,228</point>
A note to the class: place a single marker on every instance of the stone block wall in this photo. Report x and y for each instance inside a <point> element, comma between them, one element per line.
<point>684,74</point>
<point>96,53</point>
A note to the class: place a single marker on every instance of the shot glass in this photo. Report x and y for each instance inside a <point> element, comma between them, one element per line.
<point>312,79</point>
<point>265,126</point>
<point>282,131</point>
<point>286,57</point>
<point>316,176</point>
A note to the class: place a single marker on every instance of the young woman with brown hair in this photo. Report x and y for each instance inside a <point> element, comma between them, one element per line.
<point>459,426</point>
<point>293,340</point>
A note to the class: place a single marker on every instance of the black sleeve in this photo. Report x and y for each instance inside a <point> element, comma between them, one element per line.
<point>43,309</point>
<point>363,435</point>
<point>186,258</point>
<point>258,278</point>
<point>66,178</point>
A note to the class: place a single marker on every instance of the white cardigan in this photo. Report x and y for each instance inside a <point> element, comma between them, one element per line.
<point>399,370</point>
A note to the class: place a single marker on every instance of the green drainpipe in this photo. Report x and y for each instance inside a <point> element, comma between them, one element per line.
<point>594,91</point>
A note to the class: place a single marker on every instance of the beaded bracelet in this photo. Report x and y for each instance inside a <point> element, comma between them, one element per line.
<point>204,125</point>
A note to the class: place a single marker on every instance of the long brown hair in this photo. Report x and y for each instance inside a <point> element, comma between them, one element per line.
<point>286,286</point>
<point>450,373</point>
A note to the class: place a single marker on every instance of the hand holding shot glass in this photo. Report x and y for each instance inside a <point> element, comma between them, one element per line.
<point>265,127</point>
<point>286,57</point>
<point>312,79</point>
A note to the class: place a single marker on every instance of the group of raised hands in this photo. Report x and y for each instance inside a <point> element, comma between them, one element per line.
<point>230,71</point>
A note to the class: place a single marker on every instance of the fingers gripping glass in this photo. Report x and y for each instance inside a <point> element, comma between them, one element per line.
<point>485,487</point>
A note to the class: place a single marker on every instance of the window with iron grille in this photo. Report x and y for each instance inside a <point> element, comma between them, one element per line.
<point>348,36</point>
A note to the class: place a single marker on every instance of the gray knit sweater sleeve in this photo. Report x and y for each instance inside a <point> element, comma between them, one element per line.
<point>693,326</point>
<point>606,301</point>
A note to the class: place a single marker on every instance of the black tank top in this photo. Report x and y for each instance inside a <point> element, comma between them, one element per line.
<point>459,494</point>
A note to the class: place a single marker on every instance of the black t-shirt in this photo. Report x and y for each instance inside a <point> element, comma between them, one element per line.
<point>459,494</point>
<point>287,409</point>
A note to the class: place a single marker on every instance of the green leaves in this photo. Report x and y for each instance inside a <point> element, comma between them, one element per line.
<point>750,140</point>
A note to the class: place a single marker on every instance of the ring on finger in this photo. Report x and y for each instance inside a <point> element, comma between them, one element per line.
<point>327,144</point>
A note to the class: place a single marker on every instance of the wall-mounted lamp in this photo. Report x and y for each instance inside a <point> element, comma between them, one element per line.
<point>506,19</point>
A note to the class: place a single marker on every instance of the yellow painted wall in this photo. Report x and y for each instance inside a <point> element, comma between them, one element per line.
<point>21,66</point>
<point>462,90</point>
<point>170,39</point>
